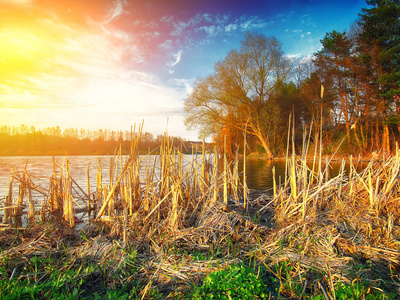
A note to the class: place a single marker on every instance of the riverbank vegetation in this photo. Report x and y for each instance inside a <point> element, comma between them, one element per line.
<point>27,140</point>
<point>188,227</point>
<point>192,230</point>
<point>349,90</point>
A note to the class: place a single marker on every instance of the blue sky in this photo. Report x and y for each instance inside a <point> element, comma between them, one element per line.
<point>109,64</point>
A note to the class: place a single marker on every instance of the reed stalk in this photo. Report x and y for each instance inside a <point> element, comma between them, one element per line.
<point>31,212</point>
<point>89,200</point>
<point>180,209</point>
<point>175,207</point>
<point>245,189</point>
<point>111,202</point>
<point>292,167</point>
<point>99,185</point>
<point>114,187</point>
<point>55,193</point>
<point>225,175</point>
<point>274,188</point>
<point>215,176</point>
<point>125,225</point>
<point>68,211</point>
<point>235,179</point>
<point>19,204</point>
<point>8,202</point>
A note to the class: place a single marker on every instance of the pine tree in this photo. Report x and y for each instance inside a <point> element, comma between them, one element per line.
<point>380,47</point>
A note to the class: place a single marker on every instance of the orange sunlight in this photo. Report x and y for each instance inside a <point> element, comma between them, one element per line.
<point>19,51</point>
<point>71,66</point>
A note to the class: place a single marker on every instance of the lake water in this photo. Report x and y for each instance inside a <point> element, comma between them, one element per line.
<point>40,168</point>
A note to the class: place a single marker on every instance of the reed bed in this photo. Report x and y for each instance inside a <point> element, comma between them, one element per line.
<point>188,216</point>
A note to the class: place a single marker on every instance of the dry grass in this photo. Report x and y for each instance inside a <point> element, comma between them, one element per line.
<point>185,207</point>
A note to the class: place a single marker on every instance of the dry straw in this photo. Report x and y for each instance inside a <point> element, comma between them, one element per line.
<point>312,220</point>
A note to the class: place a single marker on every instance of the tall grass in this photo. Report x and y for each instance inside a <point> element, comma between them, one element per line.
<point>187,216</point>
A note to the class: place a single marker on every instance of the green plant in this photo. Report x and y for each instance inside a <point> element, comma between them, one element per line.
<point>4,266</point>
<point>234,282</point>
<point>357,290</point>
<point>198,255</point>
<point>286,273</point>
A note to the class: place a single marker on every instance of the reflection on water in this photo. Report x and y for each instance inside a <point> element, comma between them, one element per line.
<point>259,172</point>
<point>40,168</point>
<point>260,175</point>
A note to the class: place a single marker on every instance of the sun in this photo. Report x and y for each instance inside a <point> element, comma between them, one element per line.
<point>20,51</point>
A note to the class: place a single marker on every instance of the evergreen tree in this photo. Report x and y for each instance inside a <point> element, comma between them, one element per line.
<point>379,43</point>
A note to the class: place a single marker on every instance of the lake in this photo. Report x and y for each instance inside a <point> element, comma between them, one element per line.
<point>40,168</point>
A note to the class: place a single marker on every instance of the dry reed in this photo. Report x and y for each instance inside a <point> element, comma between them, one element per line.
<point>311,220</point>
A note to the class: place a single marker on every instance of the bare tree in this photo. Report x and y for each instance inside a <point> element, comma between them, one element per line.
<point>238,94</point>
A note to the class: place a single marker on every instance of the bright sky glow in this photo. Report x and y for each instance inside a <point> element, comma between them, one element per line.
<point>109,64</point>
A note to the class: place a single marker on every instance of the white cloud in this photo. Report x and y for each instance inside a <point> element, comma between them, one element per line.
<point>116,11</point>
<point>207,17</point>
<point>253,22</point>
<point>116,101</point>
<point>185,85</point>
<point>177,57</point>
<point>180,26</point>
<point>307,58</point>
<point>167,19</point>
<point>246,25</point>
<point>293,56</point>
<point>166,45</point>
<point>231,27</point>
<point>152,34</point>
<point>300,58</point>
<point>222,19</point>
<point>211,30</point>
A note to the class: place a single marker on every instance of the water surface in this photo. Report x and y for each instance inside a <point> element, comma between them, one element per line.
<point>40,168</point>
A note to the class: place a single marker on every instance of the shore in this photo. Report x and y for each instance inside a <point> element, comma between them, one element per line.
<point>198,232</point>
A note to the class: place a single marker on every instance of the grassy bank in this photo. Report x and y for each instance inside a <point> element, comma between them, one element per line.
<point>192,230</point>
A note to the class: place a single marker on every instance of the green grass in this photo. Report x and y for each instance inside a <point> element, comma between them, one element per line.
<point>358,290</point>
<point>239,281</point>
<point>63,276</point>
<point>329,239</point>
<point>236,282</point>
<point>68,278</point>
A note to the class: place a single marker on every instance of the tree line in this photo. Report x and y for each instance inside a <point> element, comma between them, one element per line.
<point>347,94</point>
<point>27,140</point>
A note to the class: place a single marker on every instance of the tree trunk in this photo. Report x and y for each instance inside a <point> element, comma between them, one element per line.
<point>368,127</point>
<point>347,120</point>
<point>377,146</point>
<point>386,139</point>
<point>398,110</point>
<point>266,146</point>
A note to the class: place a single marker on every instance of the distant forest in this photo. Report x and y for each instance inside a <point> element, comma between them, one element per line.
<point>346,95</point>
<point>27,140</point>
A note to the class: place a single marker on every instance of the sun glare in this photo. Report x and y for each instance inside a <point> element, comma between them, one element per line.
<point>61,63</point>
<point>19,51</point>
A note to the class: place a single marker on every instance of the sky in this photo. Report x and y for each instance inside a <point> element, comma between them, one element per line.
<point>110,64</point>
